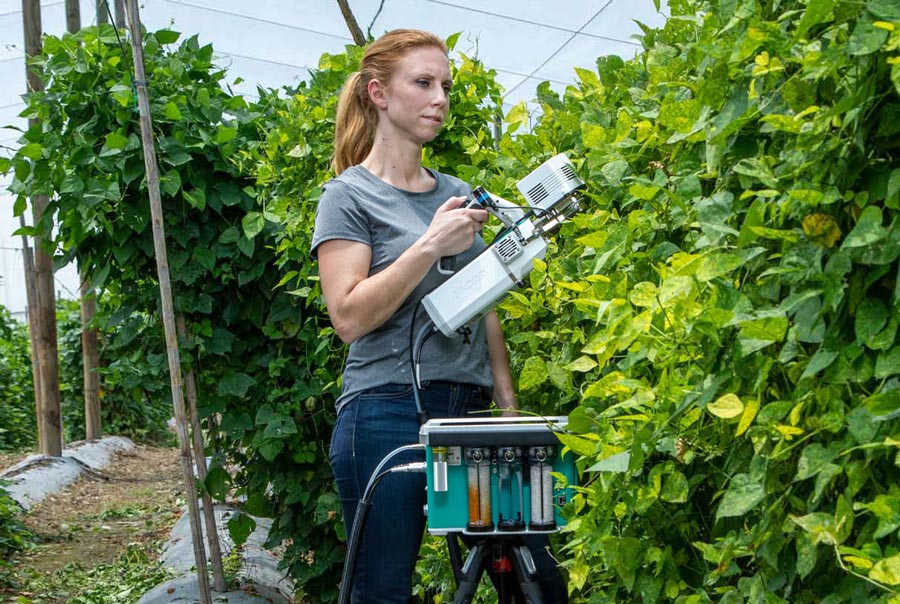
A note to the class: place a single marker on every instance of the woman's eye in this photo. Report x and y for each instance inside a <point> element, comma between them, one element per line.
<point>423,83</point>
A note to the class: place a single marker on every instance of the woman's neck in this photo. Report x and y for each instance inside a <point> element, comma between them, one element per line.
<point>399,166</point>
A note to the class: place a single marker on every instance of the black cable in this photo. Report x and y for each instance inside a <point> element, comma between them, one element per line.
<point>362,512</point>
<point>415,352</point>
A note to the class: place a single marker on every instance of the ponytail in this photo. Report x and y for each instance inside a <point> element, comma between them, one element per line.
<point>355,123</point>
<point>357,117</point>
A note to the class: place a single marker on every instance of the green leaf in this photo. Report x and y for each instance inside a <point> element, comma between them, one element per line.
<point>114,140</point>
<point>816,12</point>
<point>171,111</point>
<point>868,229</point>
<point>253,224</point>
<point>166,36</point>
<point>534,373</point>
<point>625,555</point>
<point>225,134</point>
<point>616,463</point>
<point>883,404</point>
<point>235,384</point>
<point>280,426</point>
<point>822,359</point>
<point>887,10</point>
<point>643,294</point>
<point>726,406</point>
<point>866,38</point>
<point>217,482</point>
<point>887,570</point>
<point>195,197</point>
<point>819,525</point>
<point>743,495</point>
<point>614,171</point>
<point>871,317</point>
<point>812,460</point>
<point>32,151</point>
<point>675,488</point>
<point>240,525</point>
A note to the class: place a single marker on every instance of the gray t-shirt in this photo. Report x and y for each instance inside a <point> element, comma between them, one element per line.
<point>358,206</point>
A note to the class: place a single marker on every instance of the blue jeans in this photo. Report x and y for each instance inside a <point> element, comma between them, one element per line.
<point>368,428</point>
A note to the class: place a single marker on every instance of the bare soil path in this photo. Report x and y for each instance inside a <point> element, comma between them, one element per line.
<point>132,502</point>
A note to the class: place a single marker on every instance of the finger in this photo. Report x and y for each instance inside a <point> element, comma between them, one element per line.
<point>452,204</point>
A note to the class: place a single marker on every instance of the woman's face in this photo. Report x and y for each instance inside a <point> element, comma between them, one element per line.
<point>416,100</point>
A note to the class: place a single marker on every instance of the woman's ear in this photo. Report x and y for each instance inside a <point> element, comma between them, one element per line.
<point>376,93</point>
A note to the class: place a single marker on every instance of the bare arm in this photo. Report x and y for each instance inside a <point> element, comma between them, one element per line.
<point>504,391</point>
<point>358,303</point>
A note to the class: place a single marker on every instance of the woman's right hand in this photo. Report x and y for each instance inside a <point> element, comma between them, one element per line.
<point>358,302</point>
<point>453,229</point>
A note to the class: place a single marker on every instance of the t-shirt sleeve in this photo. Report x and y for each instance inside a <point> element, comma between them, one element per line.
<point>339,216</point>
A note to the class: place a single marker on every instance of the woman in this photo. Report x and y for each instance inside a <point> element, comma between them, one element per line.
<point>381,226</point>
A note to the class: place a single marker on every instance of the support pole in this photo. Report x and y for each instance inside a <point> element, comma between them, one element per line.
<point>209,513</point>
<point>90,357</point>
<point>358,38</point>
<point>90,354</point>
<point>165,290</point>
<point>31,300</point>
<point>120,14</point>
<point>73,16</point>
<point>102,16</point>
<point>45,294</point>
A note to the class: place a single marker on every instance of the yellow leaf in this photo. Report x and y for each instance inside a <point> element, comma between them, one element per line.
<point>822,228</point>
<point>750,410</point>
<point>863,563</point>
<point>726,406</point>
<point>789,432</point>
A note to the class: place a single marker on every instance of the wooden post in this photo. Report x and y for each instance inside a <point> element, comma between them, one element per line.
<point>209,513</point>
<point>73,16</point>
<point>31,298</point>
<point>165,290</point>
<point>45,293</point>
<point>358,38</point>
<point>90,357</point>
<point>120,14</point>
<point>102,15</point>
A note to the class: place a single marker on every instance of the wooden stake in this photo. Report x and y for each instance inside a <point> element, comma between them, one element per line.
<point>209,513</point>
<point>165,290</point>
<point>31,300</point>
<point>73,16</point>
<point>90,356</point>
<point>45,294</point>
<point>358,38</point>
<point>120,13</point>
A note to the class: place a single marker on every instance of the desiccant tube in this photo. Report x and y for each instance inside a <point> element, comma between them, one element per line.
<point>478,466</point>
<point>540,466</point>
<point>439,469</point>
<point>512,499</point>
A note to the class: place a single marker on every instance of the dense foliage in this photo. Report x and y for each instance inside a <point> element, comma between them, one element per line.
<point>719,324</point>
<point>725,317</point>
<point>17,420</point>
<point>14,535</point>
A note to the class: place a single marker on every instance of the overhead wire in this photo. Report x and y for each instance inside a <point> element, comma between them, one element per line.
<point>558,50</point>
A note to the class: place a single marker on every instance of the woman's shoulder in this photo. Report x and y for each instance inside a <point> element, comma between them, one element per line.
<point>453,182</point>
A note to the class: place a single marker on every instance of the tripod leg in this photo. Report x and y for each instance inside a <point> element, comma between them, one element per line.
<point>455,556</point>
<point>526,572</point>
<point>470,574</point>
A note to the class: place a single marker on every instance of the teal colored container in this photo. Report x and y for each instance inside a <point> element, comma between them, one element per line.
<point>450,505</point>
